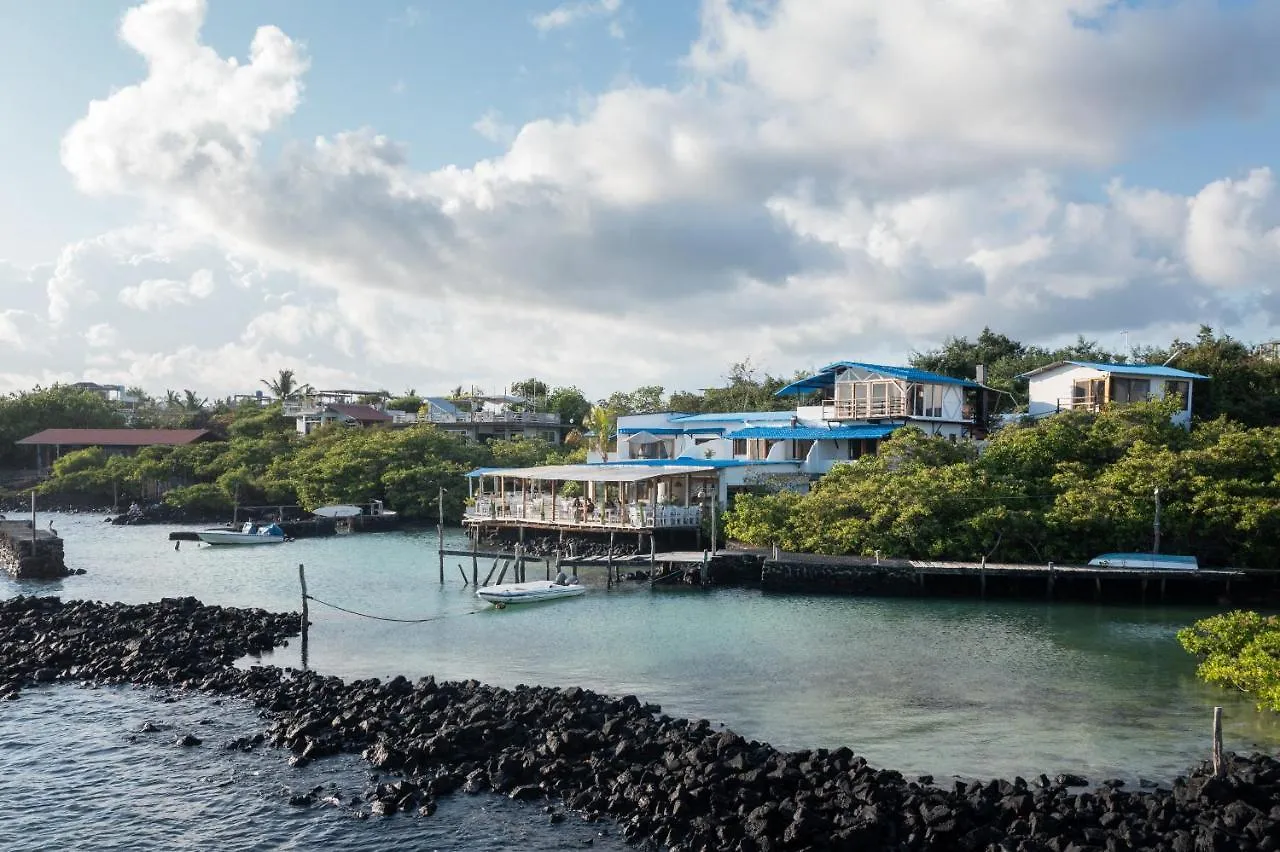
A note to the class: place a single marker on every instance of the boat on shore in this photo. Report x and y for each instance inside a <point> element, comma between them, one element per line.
<point>529,592</point>
<point>249,534</point>
<point>1146,561</point>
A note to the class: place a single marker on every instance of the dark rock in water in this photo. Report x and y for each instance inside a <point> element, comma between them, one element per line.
<point>667,783</point>
<point>189,740</point>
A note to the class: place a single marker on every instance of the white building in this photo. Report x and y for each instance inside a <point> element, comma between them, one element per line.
<point>1075,385</point>
<point>676,460</point>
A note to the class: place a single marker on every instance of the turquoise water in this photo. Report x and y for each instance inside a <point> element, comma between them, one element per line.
<point>949,687</point>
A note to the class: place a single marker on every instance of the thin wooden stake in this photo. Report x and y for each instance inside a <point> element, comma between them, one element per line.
<point>489,576</point>
<point>1217,741</point>
<point>306,621</point>
<point>503,573</point>
<point>463,573</point>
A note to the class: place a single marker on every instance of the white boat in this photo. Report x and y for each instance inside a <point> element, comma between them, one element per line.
<point>534,590</point>
<point>1146,561</point>
<point>250,533</point>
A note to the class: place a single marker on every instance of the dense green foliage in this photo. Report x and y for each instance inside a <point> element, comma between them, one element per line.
<point>1064,490</point>
<point>1240,650</point>
<point>59,407</point>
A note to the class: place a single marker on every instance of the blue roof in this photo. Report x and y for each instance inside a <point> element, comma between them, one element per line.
<point>688,460</point>
<point>826,377</point>
<point>443,404</point>
<point>732,416</point>
<point>1153,370</point>
<point>658,430</point>
<point>812,433</point>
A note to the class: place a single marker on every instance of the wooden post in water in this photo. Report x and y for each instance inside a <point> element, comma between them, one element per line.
<point>1097,588</point>
<point>653,555</point>
<point>475,562</point>
<point>1217,741</point>
<point>982,578</point>
<point>302,579</point>
<point>520,564</point>
<point>1049,585</point>
<point>608,563</point>
<point>494,567</point>
<point>463,573</point>
<point>440,530</point>
<point>33,522</point>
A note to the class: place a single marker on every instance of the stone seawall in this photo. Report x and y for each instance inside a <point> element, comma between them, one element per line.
<point>25,557</point>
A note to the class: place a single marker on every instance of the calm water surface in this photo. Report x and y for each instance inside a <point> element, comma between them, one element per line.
<point>967,688</point>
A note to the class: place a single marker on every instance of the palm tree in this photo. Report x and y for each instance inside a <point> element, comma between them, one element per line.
<point>599,421</point>
<point>286,386</point>
<point>191,401</point>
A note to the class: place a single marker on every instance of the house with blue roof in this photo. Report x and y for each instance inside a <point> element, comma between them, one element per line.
<point>1088,386</point>
<point>844,412</point>
<point>666,466</point>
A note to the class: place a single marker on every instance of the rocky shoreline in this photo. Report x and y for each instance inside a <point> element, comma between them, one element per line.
<point>666,782</point>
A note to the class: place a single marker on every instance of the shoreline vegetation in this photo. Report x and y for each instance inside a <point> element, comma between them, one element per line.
<point>665,782</point>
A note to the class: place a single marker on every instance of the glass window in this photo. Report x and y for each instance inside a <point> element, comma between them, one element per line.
<point>1179,389</point>
<point>739,446</point>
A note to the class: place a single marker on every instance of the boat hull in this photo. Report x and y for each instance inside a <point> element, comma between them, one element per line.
<point>531,592</point>
<point>229,537</point>
<point>1146,561</point>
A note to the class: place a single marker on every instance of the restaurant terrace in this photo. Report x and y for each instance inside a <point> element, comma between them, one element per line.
<point>590,497</point>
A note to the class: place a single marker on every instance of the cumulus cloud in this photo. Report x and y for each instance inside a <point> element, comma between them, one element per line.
<point>832,174</point>
<point>160,292</point>
<point>568,14</point>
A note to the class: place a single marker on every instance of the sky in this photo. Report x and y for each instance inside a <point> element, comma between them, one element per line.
<point>615,193</point>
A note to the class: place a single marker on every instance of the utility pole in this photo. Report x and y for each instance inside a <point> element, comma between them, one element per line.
<point>1156,547</point>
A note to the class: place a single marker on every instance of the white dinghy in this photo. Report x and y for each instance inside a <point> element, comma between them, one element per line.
<point>250,533</point>
<point>534,590</point>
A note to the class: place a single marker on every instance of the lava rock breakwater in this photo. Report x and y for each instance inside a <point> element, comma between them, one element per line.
<point>667,782</point>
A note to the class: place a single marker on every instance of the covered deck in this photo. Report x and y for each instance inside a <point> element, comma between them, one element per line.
<point>590,497</point>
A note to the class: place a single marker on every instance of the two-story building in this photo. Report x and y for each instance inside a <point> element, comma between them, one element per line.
<point>1088,386</point>
<point>674,459</point>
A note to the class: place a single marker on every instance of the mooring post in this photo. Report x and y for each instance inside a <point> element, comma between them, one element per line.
<point>493,568</point>
<point>463,573</point>
<point>302,579</point>
<point>1049,585</point>
<point>33,522</point>
<point>608,563</point>
<point>653,554</point>
<point>982,577</point>
<point>440,530</point>
<point>1217,741</point>
<point>520,566</point>
<point>475,561</point>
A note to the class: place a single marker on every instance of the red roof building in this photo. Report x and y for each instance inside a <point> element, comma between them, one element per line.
<point>51,443</point>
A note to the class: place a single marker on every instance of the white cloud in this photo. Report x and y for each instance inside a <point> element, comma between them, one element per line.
<point>491,127</point>
<point>163,292</point>
<point>101,336</point>
<point>568,14</point>
<point>835,179</point>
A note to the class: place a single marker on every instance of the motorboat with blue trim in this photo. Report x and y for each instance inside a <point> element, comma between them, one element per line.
<point>250,534</point>
<point>1146,561</point>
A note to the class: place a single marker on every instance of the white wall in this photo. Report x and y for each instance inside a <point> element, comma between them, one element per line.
<point>1045,389</point>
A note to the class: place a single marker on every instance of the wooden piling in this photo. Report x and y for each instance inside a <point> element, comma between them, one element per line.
<point>1049,583</point>
<point>440,530</point>
<point>489,576</point>
<point>306,621</point>
<point>1217,742</point>
<point>475,560</point>
<point>463,573</point>
<point>982,578</point>
<point>608,565</point>
<point>503,573</point>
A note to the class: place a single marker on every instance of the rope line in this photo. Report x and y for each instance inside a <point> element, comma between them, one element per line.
<point>388,618</point>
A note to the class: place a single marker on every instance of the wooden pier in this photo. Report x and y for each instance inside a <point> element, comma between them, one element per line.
<point>863,575</point>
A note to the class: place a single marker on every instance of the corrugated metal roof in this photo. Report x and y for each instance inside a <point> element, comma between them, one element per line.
<point>363,413</point>
<point>443,404</point>
<point>812,433</point>
<point>716,463</point>
<point>732,416</point>
<point>609,472</point>
<point>826,377</point>
<point>1152,370</point>
<point>657,430</point>
<point>113,437</point>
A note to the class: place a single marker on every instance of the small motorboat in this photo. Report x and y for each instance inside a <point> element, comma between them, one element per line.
<point>534,590</point>
<point>1146,561</point>
<point>250,533</point>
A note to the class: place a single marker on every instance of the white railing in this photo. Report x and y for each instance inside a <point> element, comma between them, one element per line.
<point>634,515</point>
<point>540,417</point>
<point>1088,403</point>
<point>863,409</point>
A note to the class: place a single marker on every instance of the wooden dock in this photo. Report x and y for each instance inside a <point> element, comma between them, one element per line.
<point>783,571</point>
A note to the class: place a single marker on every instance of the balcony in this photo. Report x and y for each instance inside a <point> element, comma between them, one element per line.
<point>561,512</point>
<point>1081,403</point>
<point>864,409</point>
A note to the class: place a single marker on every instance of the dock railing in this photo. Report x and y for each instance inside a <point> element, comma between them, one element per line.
<point>565,513</point>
